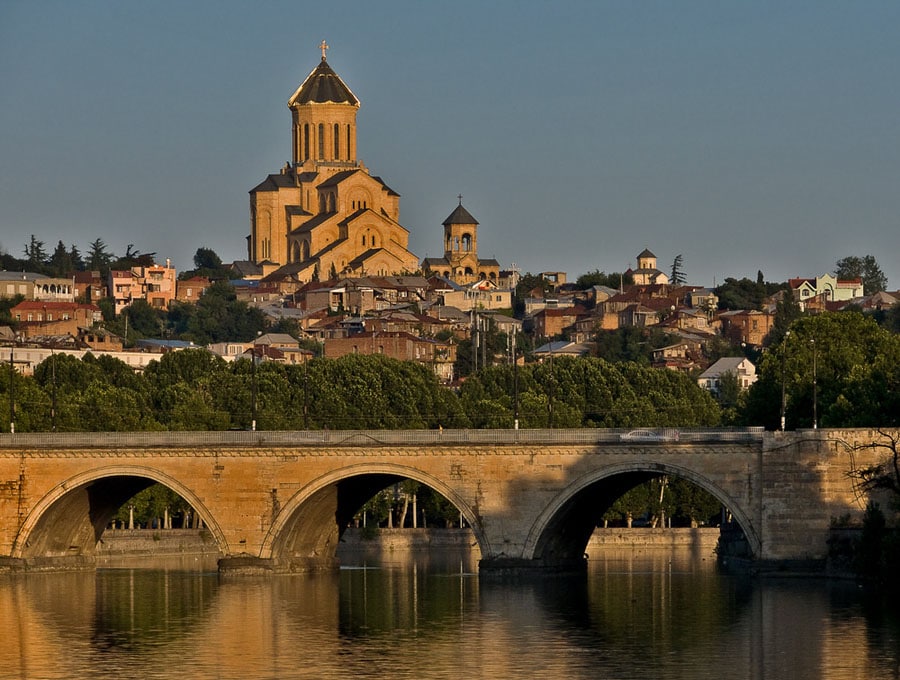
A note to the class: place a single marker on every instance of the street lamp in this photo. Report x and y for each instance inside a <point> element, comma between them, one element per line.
<point>12,391</point>
<point>253,386</point>
<point>515,353</point>
<point>815,387</point>
<point>783,376</point>
<point>53,390</point>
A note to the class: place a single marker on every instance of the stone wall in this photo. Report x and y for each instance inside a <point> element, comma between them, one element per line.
<point>156,542</point>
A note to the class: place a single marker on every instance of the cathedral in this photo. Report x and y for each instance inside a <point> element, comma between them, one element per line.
<point>324,214</point>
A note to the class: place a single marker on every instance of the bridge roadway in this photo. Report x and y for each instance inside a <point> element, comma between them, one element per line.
<point>279,501</point>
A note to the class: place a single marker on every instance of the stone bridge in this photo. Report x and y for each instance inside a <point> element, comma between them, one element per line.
<point>279,501</point>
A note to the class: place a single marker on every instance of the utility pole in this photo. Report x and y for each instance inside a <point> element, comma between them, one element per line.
<point>53,390</point>
<point>783,377</point>
<point>515,383</point>
<point>12,391</point>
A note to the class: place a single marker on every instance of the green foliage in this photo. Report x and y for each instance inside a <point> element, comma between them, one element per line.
<point>36,256</point>
<point>865,268</point>
<point>631,343</point>
<point>216,317</point>
<point>678,277</point>
<point>587,393</point>
<point>665,497</point>
<point>614,280</point>
<point>6,304</point>
<point>857,375</point>
<point>151,505</point>
<point>208,263</point>
<point>746,294</point>
<point>98,257</point>
<point>194,389</point>
<point>529,285</point>
<point>787,311</point>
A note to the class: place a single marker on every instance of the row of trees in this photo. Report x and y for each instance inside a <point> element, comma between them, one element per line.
<point>197,390</point>
<point>837,369</point>
<point>64,259</point>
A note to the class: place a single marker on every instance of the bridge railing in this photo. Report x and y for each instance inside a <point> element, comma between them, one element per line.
<point>355,438</point>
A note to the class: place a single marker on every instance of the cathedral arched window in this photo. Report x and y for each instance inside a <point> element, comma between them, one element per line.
<point>348,141</point>
<point>321,141</point>
<point>467,242</point>
<point>468,271</point>
<point>306,142</point>
<point>364,241</point>
<point>337,141</point>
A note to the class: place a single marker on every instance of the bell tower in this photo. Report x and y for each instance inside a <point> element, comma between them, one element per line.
<point>323,119</point>
<point>461,243</point>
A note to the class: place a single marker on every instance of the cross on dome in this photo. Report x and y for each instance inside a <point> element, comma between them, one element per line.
<point>324,47</point>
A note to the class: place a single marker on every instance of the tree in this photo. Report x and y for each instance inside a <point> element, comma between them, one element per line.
<point>787,311</point>
<point>587,393</point>
<point>99,257</point>
<point>60,261</point>
<point>841,366</point>
<point>206,258</point>
<point>745,294</point>
<point>678,277</point>
<point>865,268</point>
<point>35,254</point>
<point>133,258</point>
<point>631,343</point>
<point>614,280</point>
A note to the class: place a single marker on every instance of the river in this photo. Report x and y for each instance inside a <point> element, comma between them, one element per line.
<point>636,614</point>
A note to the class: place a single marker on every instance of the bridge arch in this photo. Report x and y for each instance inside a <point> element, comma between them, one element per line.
<point>306,530</point>
<point>561,532</point>
<point>68,520</point>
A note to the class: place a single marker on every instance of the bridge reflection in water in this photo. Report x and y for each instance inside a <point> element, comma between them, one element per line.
<point>662,615</point>
<point>279,501</point>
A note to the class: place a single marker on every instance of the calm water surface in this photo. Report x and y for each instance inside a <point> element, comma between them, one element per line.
<point>634,616</point>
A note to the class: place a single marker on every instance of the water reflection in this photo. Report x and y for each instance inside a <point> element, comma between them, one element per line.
<point>633,615</point>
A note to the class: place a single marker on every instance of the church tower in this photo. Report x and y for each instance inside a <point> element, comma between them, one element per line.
<point>461,243</point>
<point>323,116</point>
<point>460,262</point>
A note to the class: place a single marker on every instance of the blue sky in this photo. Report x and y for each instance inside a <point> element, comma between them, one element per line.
<point>744,136</point>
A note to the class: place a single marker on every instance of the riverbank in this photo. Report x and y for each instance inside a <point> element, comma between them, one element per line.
<point>138,542</point>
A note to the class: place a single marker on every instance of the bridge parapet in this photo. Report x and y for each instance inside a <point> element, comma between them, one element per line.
<point>355,438</point>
